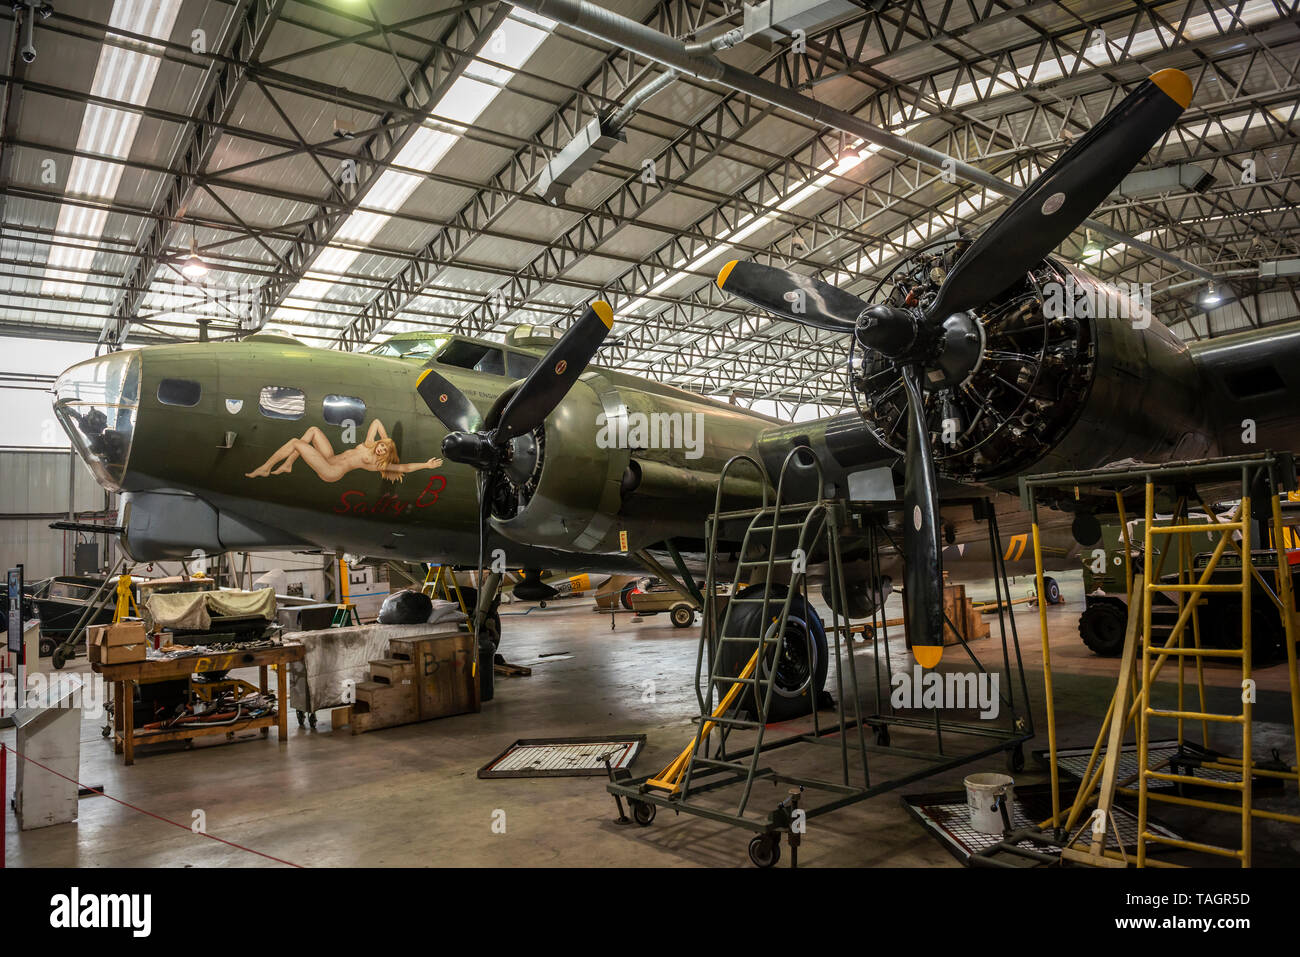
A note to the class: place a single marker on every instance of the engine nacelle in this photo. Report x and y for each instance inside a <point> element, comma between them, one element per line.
<point>560,489</point>
<point>1072,374</point>
<point>625,455</point>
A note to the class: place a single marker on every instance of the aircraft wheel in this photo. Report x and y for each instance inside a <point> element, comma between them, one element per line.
<point>541,604</point>
<point>60,657</point>
<point>765,850</point>
<point>1102,625</point>
<point>683,616</point>
<point>1053,589</point>
<point>799,682</point>
<point>643,812</point>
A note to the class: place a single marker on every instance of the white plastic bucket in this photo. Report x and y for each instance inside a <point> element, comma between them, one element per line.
<point>982,793</point>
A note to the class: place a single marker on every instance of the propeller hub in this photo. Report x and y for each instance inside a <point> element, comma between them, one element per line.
<point>891,332</point>
<point>470,448</point>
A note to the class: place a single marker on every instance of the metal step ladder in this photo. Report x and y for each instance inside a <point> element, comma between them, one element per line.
<point>779,535</point>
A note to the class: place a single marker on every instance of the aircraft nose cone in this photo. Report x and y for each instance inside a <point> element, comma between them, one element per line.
<point>96,403</point>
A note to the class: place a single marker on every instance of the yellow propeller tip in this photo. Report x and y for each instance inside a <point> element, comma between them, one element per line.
<point>927,656</point>
<point>726,271</point>
<point>1176,85</point>
<point>606,314</point>
<point>422,377</point>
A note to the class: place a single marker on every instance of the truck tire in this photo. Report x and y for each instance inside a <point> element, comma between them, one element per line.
<point>1102,625</point>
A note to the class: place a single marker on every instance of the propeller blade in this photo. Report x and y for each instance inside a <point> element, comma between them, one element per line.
<point>791,296</point>
<point>1064,195</point>
<point>551,380</point>
<point>922,565</point>
<point>447,403</point>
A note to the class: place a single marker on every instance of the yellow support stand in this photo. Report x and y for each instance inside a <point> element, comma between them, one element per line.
<point>670,778</point>
<point>125,600</point>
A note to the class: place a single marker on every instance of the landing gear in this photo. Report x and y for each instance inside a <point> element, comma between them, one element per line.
<point>765,849</point>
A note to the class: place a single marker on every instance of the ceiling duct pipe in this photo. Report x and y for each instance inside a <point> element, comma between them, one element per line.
<point>619,31</point>
<point>602,134</point>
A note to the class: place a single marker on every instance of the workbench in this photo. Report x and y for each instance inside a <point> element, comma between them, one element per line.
<point>124,676</point>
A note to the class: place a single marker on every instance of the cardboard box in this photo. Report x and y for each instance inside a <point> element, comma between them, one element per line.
<point>117,644</point>
<point>122,654</point>
<point>129,631</point>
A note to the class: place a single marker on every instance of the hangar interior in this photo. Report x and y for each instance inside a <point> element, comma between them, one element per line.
<point>456,187</point>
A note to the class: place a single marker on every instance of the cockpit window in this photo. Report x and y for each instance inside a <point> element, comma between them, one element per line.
<point>179,392</point>
<point>343,410</point>
<point>409,348</point>
<point>96,402</point>
<point>282,402</point>
<point>473,355</point>
<point>521,364</point>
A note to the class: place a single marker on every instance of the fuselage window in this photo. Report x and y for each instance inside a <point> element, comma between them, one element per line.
<point>472,355</point>
<point>179,392</point>
<point>343,410</point>
<point>521,364</point>
<point>282,402</point>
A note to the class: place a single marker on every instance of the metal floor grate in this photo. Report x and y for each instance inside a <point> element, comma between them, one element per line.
<point>563,757</point>
<point>1074,762</point>
<point>947,817</point>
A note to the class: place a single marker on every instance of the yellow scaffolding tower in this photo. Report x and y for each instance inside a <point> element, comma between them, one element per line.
<point>1189,593</point>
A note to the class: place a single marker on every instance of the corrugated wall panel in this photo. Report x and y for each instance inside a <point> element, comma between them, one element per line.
<point>31,543</point>
<point>37,482</point>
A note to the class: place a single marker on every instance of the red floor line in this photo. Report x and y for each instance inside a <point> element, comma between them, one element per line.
<point>159,817</point>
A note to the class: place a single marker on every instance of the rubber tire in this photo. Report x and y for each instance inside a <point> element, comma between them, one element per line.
<point>1102,626</point>
<point>736,654</point>
<point>58,659</point>
<point>1053,589</point>
<point>625,596</point>
<point>765,849</point>
<point>683,616</point>
<point>643,812</point>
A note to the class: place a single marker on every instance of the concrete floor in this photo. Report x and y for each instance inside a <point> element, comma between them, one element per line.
<point>409,796</point>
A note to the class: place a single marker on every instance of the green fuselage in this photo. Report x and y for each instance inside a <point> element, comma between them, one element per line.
<point>200,420</point>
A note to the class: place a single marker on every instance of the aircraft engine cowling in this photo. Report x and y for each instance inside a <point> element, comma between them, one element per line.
<point>1072,374</point>
<point>559,489</point>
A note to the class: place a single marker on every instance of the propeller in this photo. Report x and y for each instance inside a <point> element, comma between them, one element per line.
<point>491,450</point>
<point>939,345</point>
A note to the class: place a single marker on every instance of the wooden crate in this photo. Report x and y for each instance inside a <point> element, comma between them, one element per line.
<point>383,706</point>
<point>444,674</point>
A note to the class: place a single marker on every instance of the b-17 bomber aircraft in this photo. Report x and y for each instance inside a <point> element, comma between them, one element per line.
<point>435,448</point>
